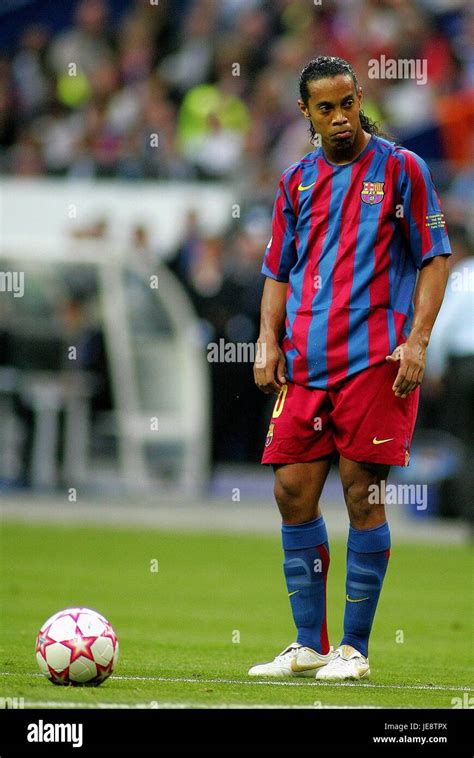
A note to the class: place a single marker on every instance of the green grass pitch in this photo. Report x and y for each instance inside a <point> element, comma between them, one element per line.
<point>216,605</point>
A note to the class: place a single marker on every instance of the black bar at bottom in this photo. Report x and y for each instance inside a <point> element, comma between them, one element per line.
<point>224,732</point>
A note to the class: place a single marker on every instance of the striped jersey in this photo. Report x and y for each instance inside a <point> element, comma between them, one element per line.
<point>349,240</point>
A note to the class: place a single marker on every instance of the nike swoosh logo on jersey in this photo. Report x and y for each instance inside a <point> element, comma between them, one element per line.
<point>302,189</point>
<point>375,441</point>
<point>351,600</point>
<point>292,593</point>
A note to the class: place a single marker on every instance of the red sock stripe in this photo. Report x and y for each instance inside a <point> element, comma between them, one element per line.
<point>324,640</point>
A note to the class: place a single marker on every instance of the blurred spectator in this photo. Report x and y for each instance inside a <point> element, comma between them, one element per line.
<point>82,331</point>
<point>189,251</point>
<point>451,353</point>
<point>25,158</point>
<point>9,122</point>
<point>212,124</point>
<point>192,62</point>
<point>95,230</point>
<point>86,45</point>
<point>224,283</point>
<point>459,201</point>
<point>58,131</point>
<point>142,256</point>
<point>449,380</point>
<point>29,71</point>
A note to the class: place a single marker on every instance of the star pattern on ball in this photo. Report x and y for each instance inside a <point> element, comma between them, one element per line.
<point>75,640</point>
<point>72,615</point>
<point>80,646</point>
<point>68,614</point>
<point>103,671</point>
<point>59,677</point>
<point>109,632</point>
<point>44,641</point>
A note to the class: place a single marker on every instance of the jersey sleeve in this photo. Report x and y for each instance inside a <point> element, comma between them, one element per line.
<point>280,254</point>
<point>422,216</point>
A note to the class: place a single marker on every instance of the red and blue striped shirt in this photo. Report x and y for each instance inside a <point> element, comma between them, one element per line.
<point>349,240</point>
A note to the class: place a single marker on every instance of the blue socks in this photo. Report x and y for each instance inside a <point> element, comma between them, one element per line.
<point>368,551</point>
<point>306,566</point>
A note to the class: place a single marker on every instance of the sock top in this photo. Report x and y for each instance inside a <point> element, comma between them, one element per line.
<point>310,534</point>
<point>373,540</point>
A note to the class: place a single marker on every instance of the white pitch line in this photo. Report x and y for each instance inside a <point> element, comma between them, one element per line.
<point>267,683</point>
<point>170,705</point>
<point>306,683</point>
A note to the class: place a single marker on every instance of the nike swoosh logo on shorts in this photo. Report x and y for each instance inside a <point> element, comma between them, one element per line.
<point>375,441</point>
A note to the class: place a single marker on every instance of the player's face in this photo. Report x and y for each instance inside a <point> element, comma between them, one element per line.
<point>333,108</point>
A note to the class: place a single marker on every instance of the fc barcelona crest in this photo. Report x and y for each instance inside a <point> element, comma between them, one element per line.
<point>372,192</point>
<point>269,439</point>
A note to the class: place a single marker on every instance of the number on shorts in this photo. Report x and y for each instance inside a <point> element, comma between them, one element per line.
<point>280,401</point>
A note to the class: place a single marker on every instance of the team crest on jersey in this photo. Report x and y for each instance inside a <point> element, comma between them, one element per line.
<point>372,192</point>
<point>269,435</point>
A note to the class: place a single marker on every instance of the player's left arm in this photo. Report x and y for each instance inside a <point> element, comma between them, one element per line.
<point>411,355</point>
<point>427,242</point>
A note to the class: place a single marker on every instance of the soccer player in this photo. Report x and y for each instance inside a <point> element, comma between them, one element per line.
<point>345,323</point>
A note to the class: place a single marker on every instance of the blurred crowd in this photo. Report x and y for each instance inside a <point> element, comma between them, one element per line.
<point>188,89</point>
<point>206,90</point>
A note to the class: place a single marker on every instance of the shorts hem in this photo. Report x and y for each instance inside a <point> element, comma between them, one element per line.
<point>282,459</point>
<point>400,460</point>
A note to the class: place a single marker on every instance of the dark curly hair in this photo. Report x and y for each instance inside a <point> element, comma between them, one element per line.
<point>327,66</point>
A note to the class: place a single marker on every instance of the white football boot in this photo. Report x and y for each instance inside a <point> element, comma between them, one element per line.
<point>346,663</point>
<point>295,660</point>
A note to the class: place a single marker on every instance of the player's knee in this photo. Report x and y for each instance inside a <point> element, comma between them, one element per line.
<point>291,497</point>
<point>356,494</point>
<point>286,491</point>
<point>358,485</point>
<point>364,511</point>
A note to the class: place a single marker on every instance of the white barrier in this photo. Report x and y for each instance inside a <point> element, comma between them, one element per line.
<point>36,233</point>
<point>45,212</point>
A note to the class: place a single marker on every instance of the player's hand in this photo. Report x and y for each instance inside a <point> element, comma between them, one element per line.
<point>412,358</point>
<point>269,367</point>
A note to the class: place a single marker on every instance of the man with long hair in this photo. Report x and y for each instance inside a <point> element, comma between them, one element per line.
<point>355,275</point>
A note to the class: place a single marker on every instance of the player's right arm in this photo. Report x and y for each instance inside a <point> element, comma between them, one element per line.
<point>280,257</point>
<point>269,367</point>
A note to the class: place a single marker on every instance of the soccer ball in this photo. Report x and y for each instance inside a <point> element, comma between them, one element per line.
<point>77,646</point>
